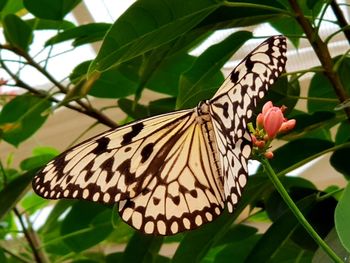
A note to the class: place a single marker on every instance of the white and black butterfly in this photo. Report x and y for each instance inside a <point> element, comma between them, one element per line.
<point>175,171</point>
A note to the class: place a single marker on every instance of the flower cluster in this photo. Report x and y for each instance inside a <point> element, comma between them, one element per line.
<point>269,123</point>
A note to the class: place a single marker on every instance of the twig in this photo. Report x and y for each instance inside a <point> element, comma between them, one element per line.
<point>322,53</point>
<point>32,239</point>
<point>85,108</point>
<point>341,19</point>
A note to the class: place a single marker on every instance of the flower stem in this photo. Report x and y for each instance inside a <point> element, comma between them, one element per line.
<point>293,207</point>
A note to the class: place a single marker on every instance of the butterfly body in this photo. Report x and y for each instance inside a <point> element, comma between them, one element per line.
<point>176,171</point>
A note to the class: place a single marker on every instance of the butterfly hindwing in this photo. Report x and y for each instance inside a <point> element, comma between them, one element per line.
<point>232,108</point>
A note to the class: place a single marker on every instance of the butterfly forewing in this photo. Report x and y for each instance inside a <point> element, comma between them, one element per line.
<point>175,171</point>
<point>159,168</point>
<point>232,107</point>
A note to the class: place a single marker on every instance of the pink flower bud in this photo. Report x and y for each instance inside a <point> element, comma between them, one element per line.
<point>260,121</point>
<point>273,120</point>
<point>268,105</point>
<point>287,125</point>
<point>253,139</point>
<point>260,144</point>
<point>269,155</point>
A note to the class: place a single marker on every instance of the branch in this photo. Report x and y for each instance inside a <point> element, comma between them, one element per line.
<point>322,53</point>
<point>32,239</point>
<point>341,19</point>
<point>85,108</point>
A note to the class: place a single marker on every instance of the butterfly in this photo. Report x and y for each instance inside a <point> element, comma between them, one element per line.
<point>176,171</point>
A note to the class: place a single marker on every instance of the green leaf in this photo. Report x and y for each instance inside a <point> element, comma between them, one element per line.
<point>297,151</point>
<point>17,32</point>
<point>87,224</point>
<point>161,106</point>
<point>340,161</point>
<point>45,24</point>
<point>45,150</point>
<point>157,23</point>
<point>342,218</point>
<point>230,17</point>
<point>81,34</point>
<point>11,7</point>
<point>142,248</point>
<point>343,133</point>
<point>315,125</point>
<point>320,87</point>
<point>132,109</point>
<point>22,117</point>
<point>199,83</point>
<point>237,251</point>
<point>289,26</point>
<point>166,77</point>
<point>2,4</point>
<point>52,221</point>
<point>332,240</point>
<point>277,234</point>
<point>53,9</point>
<point>280,93</point>
<point>14,191</point>
<point>113,83</point>
<point>35,161</point>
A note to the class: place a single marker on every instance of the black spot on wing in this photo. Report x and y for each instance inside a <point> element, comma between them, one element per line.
<point>234,76</point>
<point>135,130</point>
<point>146,152</point>
<point>102,144</point>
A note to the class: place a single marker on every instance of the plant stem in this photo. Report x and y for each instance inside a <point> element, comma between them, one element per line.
<point>293,207</point>
<point>85,108</point>
<point>322,53</point>
<point>341,19</point>
<point>32,239</point>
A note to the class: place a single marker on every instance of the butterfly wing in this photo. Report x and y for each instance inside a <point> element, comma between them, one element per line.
<point>159,168</point>
<point>232,107</point>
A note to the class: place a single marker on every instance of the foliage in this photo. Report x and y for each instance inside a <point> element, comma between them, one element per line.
<point>147,48</point>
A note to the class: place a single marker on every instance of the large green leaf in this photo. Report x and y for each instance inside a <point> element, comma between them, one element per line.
<point>241,16</point>
<point>166,77</point>
<point>198,83</point>
<point>315,125</point>
<point>342,218</point>
<point>17,32</point>
<point>157,22</point>
<point>81,35</point>
<point>289,26</point>
<point>53,9</point>
<point>44,24</point>
<point>142,248</point>
<point>280,93</point>
<point>340,161</point>
<point>343,133</point>
<point>278,233</point>
<point>11,7</point>
<point>321,87</point>
<point>332,240</point>
<point>86,225</point>
<point>22,117</point>
<point>14,191</point>
<point>113,83</point>
<point>297,151</point>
